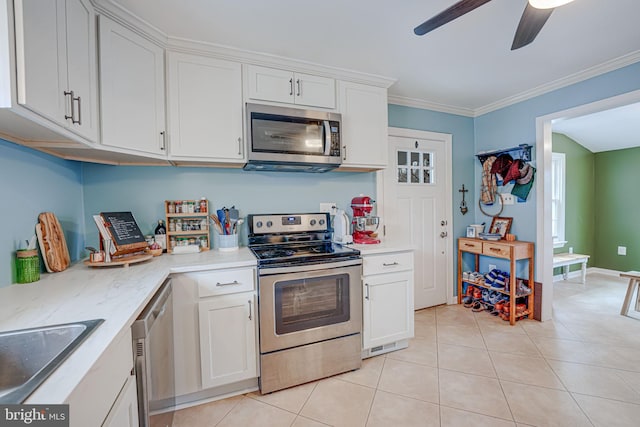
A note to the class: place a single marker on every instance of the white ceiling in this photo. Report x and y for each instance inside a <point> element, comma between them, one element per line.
<point>465,67</point>
<point>613,129</point>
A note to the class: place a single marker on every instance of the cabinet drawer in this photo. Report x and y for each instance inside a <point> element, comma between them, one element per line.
<point>469,245</point>
<point>222,282</point>
<point>387,263</point>
<point>496,249</point>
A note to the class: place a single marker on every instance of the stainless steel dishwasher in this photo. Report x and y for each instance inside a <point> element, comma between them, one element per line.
<point>153,349</point>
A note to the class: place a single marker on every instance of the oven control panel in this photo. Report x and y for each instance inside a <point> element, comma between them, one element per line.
<point>288,223</point>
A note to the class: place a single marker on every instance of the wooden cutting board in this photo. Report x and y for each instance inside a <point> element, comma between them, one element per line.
<point>52,243</point>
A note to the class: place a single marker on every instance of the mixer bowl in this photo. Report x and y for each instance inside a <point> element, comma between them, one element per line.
<point>366,223</point>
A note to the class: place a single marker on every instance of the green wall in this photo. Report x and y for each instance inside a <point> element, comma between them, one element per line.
<point>580,198</point>
<point>602,204</point>
<point>617,209</point>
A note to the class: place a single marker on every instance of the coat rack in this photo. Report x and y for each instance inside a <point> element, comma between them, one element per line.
<point>522,151</point>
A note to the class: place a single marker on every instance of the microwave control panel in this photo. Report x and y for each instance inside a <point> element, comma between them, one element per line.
<point>335,138</point>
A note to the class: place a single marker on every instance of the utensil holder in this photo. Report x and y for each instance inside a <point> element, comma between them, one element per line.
<point>27,266</point>
<point>226,242</point>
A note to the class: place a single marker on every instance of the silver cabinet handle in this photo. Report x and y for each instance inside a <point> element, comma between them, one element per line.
<point>344,150</point>
<point>79,121</point>
<point>239,146</point>
<point>235,282</point>
<point>250,318</point>
<point>291,87</point>
<point>298,87</point>
<point>390,264</point>
<point>366,291</point>
<point>73,111</point>
<point>163,140</point>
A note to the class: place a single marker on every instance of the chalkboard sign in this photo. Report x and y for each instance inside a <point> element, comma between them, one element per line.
<point>124,232</point>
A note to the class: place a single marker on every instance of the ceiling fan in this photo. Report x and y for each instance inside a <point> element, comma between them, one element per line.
<point>533,18</point>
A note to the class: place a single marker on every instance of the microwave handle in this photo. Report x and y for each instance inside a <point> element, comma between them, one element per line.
<point>327,137</point>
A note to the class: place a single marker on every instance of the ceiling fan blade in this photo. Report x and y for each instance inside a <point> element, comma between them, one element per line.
<point>455,11</point>
<point>531,23</point>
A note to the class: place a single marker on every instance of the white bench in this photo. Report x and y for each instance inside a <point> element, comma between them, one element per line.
<point>564,260</point>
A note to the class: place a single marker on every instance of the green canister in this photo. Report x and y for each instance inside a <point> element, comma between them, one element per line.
<point>27,265</point>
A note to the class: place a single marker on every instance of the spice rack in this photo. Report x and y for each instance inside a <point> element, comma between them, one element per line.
<point>187,223</point>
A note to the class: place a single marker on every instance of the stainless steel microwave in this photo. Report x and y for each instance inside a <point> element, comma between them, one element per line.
<point>290,139</point>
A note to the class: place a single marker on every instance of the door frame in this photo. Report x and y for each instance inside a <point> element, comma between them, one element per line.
<point>544,148</point>
<point>448,190</point>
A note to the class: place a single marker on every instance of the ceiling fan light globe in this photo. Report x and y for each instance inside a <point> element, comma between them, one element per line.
<point>548,4</point>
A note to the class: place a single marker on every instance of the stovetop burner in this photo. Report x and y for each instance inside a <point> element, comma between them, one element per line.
<point>294,239</point>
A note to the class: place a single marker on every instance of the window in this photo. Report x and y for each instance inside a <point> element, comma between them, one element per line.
<point>415,167</point>
<point>558,174</point>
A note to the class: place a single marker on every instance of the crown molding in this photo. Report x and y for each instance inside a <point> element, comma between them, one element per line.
<point>580,76</point>
<point>428,105</point>
<point>133,22</point>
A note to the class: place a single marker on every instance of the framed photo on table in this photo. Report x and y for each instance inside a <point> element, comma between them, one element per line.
<point>500,225</point>
<point>471,232</point>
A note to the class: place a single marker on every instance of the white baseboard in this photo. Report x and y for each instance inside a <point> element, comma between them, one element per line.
<point>590,270</point>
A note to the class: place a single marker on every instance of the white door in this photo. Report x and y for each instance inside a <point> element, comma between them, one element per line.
<point>417,209</point>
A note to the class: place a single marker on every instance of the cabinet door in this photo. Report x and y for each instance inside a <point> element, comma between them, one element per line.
<point>388,308</point>
<point>227,339</point>
<point>205,108</point>
<point>270,84</point>
<point>41,58</point>
<point>364,125</point>
<point>132,90</point>
<point>124,412</point>
<point>315,91</point>
<point>81,67</point>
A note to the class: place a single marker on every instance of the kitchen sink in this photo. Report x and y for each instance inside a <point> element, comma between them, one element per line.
<point>29,356</point>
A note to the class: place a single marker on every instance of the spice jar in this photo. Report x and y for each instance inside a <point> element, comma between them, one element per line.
<point>203,205</point>
<point>178,207</point>
<point>171,207</point>
<point>27,266</point>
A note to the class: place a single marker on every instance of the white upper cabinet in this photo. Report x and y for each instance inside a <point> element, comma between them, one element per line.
<point>270,84</point>
<point>364,126</point>
<point>132,90</point>
<point>56,62</point>
<point>205,109</point>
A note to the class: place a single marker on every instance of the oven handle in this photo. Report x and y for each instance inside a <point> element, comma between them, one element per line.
<point>366,288</point>
<point>267,271</point>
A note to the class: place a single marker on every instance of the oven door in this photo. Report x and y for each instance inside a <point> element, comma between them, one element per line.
<point>303,307</point>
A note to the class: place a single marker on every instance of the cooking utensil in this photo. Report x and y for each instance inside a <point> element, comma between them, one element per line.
<point>217,223</point>
<point>227,223</point>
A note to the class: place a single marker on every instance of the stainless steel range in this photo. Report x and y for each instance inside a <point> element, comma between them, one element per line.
<point>310,300</point>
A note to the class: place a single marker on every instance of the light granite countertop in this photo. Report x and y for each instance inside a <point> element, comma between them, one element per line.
<point>116,294</point>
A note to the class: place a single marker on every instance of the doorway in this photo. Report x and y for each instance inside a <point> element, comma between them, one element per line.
<point>544,145</point>
<point>415,195</point>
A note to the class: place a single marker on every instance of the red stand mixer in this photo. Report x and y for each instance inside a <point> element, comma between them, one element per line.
<point>365,225</point>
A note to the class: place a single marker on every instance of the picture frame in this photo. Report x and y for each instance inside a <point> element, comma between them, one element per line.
<point>501,226</point>
<point>471,232</point>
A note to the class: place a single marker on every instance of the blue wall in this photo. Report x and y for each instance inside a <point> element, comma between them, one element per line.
<point>30,183</point>
<point>516,124</point>
<point>143,189</point>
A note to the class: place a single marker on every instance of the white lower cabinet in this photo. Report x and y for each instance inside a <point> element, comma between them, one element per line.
<point>124,412</point>
<point>227,339</point>
<point>387,302</point>
<point>215,337</point>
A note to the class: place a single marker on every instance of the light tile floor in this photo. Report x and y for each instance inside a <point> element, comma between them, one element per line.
<point>464,368</point>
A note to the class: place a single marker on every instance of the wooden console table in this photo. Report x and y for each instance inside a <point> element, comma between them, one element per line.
<point>512,251</point>
<point>564,260</point>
